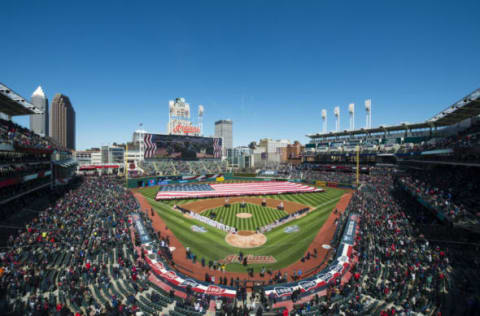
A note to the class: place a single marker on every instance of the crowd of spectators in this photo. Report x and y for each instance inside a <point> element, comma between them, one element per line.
<point>19,173</point>
<point>462,143</point>
<point>74,246</point>
<point>308,173</point>
<point>452,191</point>
<point>77,257</point>
<point>24,163</point>
<point>180,167</point>
<point>8,171</point>
<point>16,189</point>
<point>395,265</point>
<point>14,134</point>
<point>397,272</point>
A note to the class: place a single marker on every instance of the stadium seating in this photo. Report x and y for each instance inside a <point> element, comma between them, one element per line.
<point>187,187</point>
<point>394,272</point>
<point>397,268</point>
<point>312,172</point>
<point>451,191</point>
<point>18,136</point>
<point>182,168</point>
<point>25,166</point>
<point>88,266</point>
<point>457,145</point>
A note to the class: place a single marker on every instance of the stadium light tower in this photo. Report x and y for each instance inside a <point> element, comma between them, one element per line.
<point>368,109</point>
<point>351,111</point>
<point>200,119</point>
<point>324,121</point>
<point>336,112</point>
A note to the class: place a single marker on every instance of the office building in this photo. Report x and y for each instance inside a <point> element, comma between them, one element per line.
<point>113,155</point>
<point>62,121</point>
<point>273,146</point>
<point>223,129</point>
<point>39,122</point>
<point>83,157</point>
<point>239,157</point>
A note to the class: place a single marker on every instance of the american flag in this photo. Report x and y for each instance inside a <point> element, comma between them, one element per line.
<point>217,148</point>
<point>150,147</point>
<point>237,189</point>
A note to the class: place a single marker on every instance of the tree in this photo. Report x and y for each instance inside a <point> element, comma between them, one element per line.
<point>252,145</point>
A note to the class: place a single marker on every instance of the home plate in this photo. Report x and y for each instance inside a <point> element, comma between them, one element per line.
<point>326,246</point>
<point>172,249</point>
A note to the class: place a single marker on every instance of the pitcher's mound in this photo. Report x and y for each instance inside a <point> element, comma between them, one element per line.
<point>244,215</point>
<point>246,239</point>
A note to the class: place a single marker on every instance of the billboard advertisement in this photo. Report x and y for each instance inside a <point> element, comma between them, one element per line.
<point>159,146</point>
<point>321,183</point>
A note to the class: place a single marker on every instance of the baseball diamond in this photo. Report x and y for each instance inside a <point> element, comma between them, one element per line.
<point>261,216</point>
<point>212,244</point>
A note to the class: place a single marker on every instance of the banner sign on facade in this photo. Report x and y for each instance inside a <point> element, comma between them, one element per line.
<point>335,270</point>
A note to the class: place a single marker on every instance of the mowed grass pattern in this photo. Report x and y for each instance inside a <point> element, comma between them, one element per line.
<point>286,248</point>
<point>261,216</point>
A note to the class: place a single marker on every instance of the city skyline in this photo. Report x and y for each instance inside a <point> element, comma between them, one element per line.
<point>271,67</point>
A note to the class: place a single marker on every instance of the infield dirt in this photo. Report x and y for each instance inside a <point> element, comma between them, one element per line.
<point>246,239</point>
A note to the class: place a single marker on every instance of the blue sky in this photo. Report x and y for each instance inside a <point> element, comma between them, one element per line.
<point>270,66</point>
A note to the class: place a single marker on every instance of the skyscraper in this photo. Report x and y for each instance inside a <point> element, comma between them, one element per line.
<point>39,122</point>
<point>62,121</point>
<point>223,129</point>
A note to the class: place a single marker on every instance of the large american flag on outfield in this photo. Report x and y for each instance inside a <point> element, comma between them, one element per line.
<point>237,189</point>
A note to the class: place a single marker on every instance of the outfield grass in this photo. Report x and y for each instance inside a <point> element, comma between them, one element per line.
<point>286,248</point>
<point>261,216</point>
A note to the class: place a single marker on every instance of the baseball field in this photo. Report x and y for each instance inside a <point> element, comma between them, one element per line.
<point>286,243</point>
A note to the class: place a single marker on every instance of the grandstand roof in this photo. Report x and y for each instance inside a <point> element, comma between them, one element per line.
<point>11,103</point>
<point>467,107</point>
<point>380,129</point>
<point>66,163</point>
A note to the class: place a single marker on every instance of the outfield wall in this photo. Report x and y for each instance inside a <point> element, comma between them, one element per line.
<point>163,180</point>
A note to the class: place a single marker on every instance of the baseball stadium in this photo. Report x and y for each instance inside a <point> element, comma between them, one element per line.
<point>240,158</point>
<point>371,221</point>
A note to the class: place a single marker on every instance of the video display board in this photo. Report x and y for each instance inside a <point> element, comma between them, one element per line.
<point>159,146</point>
